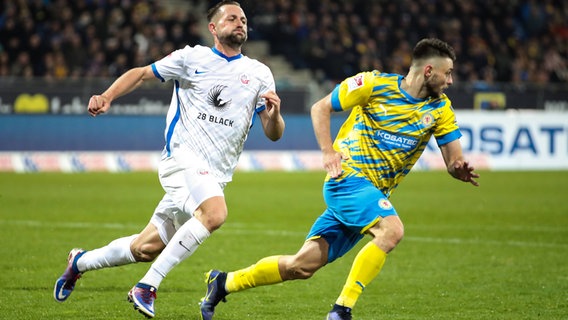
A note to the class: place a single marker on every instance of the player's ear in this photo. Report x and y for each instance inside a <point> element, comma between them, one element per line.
<point>428,70</point>
<point>212,28</point>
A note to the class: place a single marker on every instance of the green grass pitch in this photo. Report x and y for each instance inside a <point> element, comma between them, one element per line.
<point>499,251</point>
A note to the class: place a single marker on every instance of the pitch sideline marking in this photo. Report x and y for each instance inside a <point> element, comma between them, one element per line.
<point>240,228</point>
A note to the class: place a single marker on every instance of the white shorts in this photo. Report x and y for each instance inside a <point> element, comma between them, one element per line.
<point>186,188</point>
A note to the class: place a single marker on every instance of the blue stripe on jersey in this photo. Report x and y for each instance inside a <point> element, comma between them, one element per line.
<point>388,174</point>
<point>222,55</point>
<point>368,159</point>
<point>174,121</point>
<point>380,87</point>
<point>335,104</point>
<point>258,110</point>
<point>156,73</point>
<point>436,105</point>
<point>449,137</point>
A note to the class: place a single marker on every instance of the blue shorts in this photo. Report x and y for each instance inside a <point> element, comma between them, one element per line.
<point>354,205</point>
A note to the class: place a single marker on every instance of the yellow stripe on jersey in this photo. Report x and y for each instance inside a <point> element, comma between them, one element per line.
<point>387,129</point>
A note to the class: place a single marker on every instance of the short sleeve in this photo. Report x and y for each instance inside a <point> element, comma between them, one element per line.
<point>172,66</point>
<point>447,129</point>
<point>266,79</point>
<point>353,91</point>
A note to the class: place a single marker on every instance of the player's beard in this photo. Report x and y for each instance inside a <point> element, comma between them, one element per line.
<point>432,88</point>
<point>233,40</point>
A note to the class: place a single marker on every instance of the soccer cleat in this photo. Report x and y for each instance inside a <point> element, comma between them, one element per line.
<point>66,283</point>
<point>216,292</point>
<point>142,296</point>
<point>339,313</point>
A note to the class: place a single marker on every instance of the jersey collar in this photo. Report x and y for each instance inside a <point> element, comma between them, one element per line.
<point>229,59</point>
<point>406,94</point>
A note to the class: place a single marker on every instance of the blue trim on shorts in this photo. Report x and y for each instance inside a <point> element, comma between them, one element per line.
<point>354,205</point>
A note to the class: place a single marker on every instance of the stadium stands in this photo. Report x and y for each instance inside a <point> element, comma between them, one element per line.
<point>496,41</point>
<point>523,41</point>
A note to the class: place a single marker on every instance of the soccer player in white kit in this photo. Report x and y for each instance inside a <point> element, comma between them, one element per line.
<point>217,92</point>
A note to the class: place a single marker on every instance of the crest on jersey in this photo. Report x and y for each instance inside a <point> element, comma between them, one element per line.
<point>244,78</point>
<point>427,119</point>
<point>216,98</point>
<point>385,204</point>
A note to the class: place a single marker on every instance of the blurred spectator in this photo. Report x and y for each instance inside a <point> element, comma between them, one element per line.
<point>65,38</point>
<point>518,41</point>
<point>501,40</point>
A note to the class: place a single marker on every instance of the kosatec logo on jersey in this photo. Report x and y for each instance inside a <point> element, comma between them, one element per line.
<point>215,98</point>
<point>396,141</point>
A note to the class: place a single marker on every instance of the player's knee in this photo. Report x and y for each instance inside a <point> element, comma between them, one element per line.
<point>299,273</point>
<point>297,270</point>
<point>398,234</point>
<point>393,236</point>
<point>144,252</point>
<point>213,220</point>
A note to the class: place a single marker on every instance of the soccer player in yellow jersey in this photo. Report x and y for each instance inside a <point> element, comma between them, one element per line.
<point>392,119</point>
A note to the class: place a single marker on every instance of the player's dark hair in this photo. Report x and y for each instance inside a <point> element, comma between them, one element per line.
<point>432,47</point>
<point>213,11</point>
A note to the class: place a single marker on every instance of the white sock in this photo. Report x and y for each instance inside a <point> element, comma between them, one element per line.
<point>116,253</point>
<point>182,245</point>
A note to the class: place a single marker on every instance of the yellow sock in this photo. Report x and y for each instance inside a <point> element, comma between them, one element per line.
<point>264,272</point>
<point>366,266</point>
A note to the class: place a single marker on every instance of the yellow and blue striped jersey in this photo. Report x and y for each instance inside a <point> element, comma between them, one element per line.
<point>387,129</point>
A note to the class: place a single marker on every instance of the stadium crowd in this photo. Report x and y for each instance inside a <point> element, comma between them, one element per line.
<point>495,40</point>
<point>84,38</point>
<point>519,41</point>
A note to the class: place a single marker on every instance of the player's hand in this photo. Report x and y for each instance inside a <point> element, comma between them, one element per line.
<point>272,102</point>
<point>332,163</point>
<point>98,104</point>
<point>463,171</point>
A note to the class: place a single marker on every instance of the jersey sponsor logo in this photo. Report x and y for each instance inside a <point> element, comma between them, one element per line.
<point>397,141</point>
<point>219,120</point>
<point>215,98</point>
<point>214,119</point>
<point>355,82</point>
<point>385,204</point>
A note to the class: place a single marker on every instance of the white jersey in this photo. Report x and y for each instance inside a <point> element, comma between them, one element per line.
<point>214,101</point>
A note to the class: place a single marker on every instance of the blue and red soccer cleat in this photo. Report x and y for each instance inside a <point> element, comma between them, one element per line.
<point>66,283</point>
<point>142,297</point>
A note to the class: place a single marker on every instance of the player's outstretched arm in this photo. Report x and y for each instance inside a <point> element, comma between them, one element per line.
<point>456,165</point>
<point>126,83</point>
